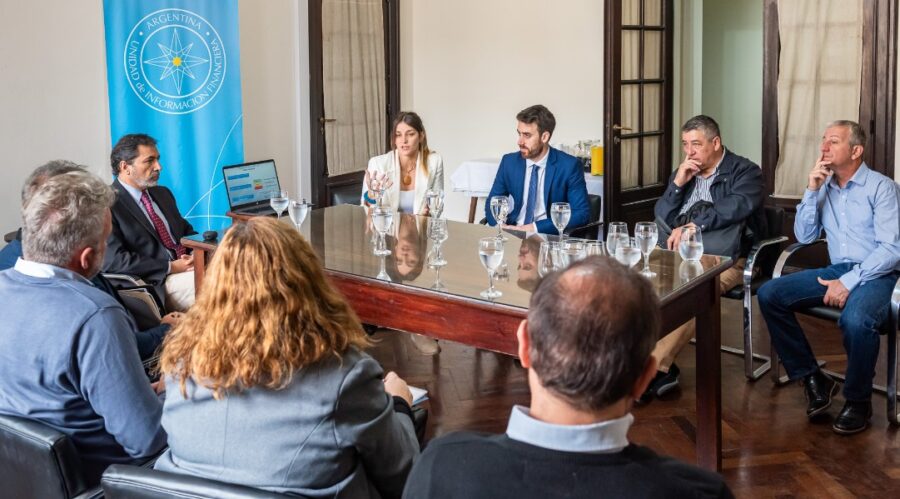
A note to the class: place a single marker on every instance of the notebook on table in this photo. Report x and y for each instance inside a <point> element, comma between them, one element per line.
<point>250,186</point>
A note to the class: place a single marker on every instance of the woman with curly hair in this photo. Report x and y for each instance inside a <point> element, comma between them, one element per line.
<point>267,382</point>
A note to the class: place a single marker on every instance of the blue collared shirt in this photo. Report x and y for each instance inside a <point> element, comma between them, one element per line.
<point>603,437</point>
<point>861,222</point>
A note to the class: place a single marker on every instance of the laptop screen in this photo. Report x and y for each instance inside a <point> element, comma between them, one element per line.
<point>251,183</point>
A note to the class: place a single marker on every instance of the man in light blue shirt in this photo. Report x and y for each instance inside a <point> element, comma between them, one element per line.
<point>858,210</point>
<point>68,355</point>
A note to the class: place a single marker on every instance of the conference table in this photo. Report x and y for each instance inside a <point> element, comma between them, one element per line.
<point>402,291</point>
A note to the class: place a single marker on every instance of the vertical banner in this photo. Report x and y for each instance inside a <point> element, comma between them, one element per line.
<point>174,73</point>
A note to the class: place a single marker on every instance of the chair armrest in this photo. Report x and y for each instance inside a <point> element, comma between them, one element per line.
<point>895,304</point>
<point>787,253</point>
<point>755,252</point>
<point>589,229</point>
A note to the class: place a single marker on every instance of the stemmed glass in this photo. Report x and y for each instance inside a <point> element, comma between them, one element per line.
<point>691,244</point>
<point>437,232</point>
<point>500,209</point>
<point>547,257</point>
<point>595,248</point>
<point>435,200</point>
<point>646,234</point>
<point>378,183</point>
<point>490,251</point>
<point>572,250</point>
<point>298,211</point>
<point>279,202</point>
<point>560,213</point>
<point>627,252</point>
<point>381,220</point>
<point>615,232</point>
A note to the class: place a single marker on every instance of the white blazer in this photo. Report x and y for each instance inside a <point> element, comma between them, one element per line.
<point>390,164</point>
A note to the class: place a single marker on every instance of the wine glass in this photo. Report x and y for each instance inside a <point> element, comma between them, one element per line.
<point>500,209</point>
<point>279,202</point>
<point>437,232</point>
<point>595,248</point>
<point>298,211</point>
<point>572,250</point>
<point>691,244</point>
<point>614,233</point>
<point>547,257</point>
<point>378,183</point>
<point>381,219</point>
<point>435,200</point>
<point>646,235</point>
<point>627,251</point>
<point>490,250</point>
<point>560,213</point>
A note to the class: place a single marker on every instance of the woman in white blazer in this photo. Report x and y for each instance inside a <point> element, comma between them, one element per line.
<point>407,172</point>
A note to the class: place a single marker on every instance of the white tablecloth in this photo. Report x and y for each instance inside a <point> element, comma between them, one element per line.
<point>475,177</point>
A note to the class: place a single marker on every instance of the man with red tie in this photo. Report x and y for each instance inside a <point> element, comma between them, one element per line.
<point>146,225</point>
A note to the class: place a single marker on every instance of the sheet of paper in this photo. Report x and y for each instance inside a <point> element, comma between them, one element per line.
<point>419,395</point>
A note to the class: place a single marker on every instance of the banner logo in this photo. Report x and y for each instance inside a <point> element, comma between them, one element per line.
<point>175,61</point>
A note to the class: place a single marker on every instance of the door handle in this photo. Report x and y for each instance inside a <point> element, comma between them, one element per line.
<point>621,128</point>
<point>327,120</point>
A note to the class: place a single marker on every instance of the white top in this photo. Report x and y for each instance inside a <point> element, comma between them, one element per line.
<point>407,199</point>
<point>540,210</point>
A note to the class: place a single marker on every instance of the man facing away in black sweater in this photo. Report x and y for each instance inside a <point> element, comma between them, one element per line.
<point>586,344</point>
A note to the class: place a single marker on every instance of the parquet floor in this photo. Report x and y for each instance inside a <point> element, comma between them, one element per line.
<point>770,448</point>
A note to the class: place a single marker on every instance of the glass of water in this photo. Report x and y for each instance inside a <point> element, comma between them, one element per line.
<point>646,234</point>
<point>615,232</point>
<point>298,211</point>
<point>435,200</point>
<point>381,219</point>
<point>572,250</point>
<point>490,251</point>
<point>691,244</point>
<point>500,210</point>
<point>595,248</point>
<point>627,251</point>
<point>279,202</point>
<point>560,213</point>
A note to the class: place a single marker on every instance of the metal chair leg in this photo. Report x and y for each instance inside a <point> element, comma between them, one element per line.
<point>893,417</point>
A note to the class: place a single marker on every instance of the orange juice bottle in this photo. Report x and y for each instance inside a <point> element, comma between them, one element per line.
<point>597,159</point>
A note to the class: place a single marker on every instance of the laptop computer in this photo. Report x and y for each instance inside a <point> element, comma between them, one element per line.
<point>250,186</point>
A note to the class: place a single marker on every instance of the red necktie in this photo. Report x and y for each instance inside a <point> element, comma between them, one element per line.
<point>160,227</point>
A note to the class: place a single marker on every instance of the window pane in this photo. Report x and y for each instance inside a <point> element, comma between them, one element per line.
<point>652,105</point>
<point>631,55</point>
<point>629,164</point>
<point>652,12</point>
<point>631,12</point>
<point>630,106</point>
<point>651,160</point>
<point>653,54</point>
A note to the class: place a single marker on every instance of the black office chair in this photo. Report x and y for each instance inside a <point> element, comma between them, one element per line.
<point>134,482</point>
<point>762,258</point>
<point>38,462</point>
<point>834,314</point>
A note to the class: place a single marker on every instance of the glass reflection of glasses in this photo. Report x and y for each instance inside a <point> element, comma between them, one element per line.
<point>490,251</point>
<point>382,218</point>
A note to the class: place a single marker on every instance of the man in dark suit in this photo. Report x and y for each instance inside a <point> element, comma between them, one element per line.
<point>538,176</point>
<point>147,227</point>
<point>586,344</point>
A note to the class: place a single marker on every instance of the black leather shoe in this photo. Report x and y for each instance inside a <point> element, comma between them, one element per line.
<point>854,418</point>
<point>819,388</point>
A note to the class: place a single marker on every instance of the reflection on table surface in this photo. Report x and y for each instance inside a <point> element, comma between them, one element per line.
<point>344,239</point>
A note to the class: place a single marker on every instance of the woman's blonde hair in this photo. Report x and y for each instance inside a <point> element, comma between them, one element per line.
<point>265,311</point>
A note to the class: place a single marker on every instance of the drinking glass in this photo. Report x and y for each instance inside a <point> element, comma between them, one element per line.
<point>547,257</point>
<point>595,248</point>
<point>437,232</point>
<point>490,250</point>
<point>646,235</point>
<point>572,250</point>
<point>691,244</point>
<point>381,219</point>
<point>614,233</point>
<point>435,200</point>
<point>560,213</point>
<point>500,209</point>
<point>627,251</point>
<point>279,202</point>
<point>298,211</point>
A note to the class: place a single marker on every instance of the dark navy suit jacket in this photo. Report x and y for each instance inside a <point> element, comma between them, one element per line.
<point>563,183</point>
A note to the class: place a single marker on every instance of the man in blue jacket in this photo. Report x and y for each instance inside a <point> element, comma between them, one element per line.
<point>538,176</point>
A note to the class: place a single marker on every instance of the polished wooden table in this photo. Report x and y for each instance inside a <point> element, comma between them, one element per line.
<point>445,303</point>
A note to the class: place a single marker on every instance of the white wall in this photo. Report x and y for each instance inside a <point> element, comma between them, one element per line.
<point>53,89</point>
<point>468,66</point>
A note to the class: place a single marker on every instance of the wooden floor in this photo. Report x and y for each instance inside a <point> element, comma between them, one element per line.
<point>770,448</point>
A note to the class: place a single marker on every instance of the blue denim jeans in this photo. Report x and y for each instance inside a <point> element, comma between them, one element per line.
<point>866,310</point>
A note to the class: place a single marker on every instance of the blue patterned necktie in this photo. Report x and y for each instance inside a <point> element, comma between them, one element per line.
<point>532,194</point>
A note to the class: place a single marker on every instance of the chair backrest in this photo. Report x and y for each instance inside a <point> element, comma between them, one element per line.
<point>774,222</point>
<point>596,203</point>
<point>37,461</point>
<point>134,482</point>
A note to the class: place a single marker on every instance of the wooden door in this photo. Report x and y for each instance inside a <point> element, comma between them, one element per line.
<point>337,34</point>
<point>638,107</point>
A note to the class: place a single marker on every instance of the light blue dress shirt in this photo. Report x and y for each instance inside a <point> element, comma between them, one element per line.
<point>603,437</point>
<point>861,222</point>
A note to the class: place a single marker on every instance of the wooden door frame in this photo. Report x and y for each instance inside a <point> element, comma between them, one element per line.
<point>321,188</point>
<point>878,99</point>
